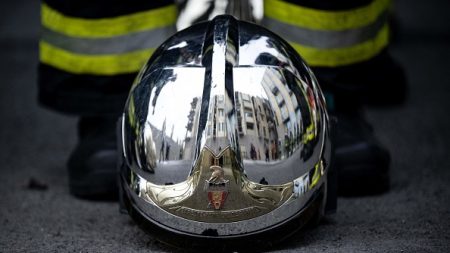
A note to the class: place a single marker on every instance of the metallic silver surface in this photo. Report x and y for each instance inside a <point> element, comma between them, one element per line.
<point>195,11</point>
<point>225,128</point>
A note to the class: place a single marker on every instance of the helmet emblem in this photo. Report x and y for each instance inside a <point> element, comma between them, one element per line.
<point>217,187</point>
<point>217,175</point>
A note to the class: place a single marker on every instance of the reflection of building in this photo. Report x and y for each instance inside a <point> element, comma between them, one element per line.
<point>166,147</point>
<point>269,125</point>
<point>215,131</point>
<point>283,101</point>
<point>215,126</point>
<point>257,127</point>
<point>293,112</point>
<point>191,129</point>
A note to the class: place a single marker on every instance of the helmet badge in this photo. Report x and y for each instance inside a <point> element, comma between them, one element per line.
<point>216,186</point>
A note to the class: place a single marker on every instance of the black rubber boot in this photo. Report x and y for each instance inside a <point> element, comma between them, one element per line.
<point>362,162</point>
<point>92,165</point>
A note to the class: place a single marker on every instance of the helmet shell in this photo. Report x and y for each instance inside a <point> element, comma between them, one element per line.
<point>224,135</point>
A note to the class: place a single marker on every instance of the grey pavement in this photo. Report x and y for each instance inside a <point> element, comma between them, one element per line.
<point>414,216</point>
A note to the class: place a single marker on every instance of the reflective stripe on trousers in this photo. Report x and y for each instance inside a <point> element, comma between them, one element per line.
<point>104,46</point>
<point>330,38</point>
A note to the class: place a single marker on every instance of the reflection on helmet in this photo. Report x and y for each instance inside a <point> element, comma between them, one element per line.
<point>224,134</point>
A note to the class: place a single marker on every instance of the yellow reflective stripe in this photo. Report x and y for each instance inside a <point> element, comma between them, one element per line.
<point>316,176</point>
<point>343,56</point>
<point>107,27</point>
<point>93,64</point>
<point>324,20</point>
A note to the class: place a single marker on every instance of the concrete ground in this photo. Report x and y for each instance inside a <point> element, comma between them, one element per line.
<point>414,216</point>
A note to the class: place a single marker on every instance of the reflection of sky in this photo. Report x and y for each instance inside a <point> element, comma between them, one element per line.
<point>174,101</point>
<point>179,45</point>
<point>249,80</point>
<point>250,52</point>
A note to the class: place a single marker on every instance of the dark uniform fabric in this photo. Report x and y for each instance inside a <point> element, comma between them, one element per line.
<point>104,8</point>
<point>86,95</point>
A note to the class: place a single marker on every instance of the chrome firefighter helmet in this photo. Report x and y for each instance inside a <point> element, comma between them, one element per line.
<point>224,137</point>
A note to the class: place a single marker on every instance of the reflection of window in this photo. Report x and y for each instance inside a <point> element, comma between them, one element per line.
<point>220,112</point>
<point>240,124</point>
<point>248,114</point>
<point>220,98</point>
<point>299,113</point>
<point>243,152</point>
<point>294,101</point>
<point>284,112</point>
<point>279,98</point>
<point>274,89</point>
<point>221,127</point>
<point>250,125</point>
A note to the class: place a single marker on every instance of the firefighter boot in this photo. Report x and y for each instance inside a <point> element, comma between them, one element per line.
<point>92,165</point>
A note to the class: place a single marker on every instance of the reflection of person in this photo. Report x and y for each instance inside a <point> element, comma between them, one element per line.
<point>274,150</point>
<point>161,151</point>
<point>180,154</point>
<point>167,151</point>
<point>291,143</point>
<point>252,151</point>
<point>287,145</point>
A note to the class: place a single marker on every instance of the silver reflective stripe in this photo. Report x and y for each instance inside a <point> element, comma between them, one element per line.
<point>326,39</point>
<point>113,45</point>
